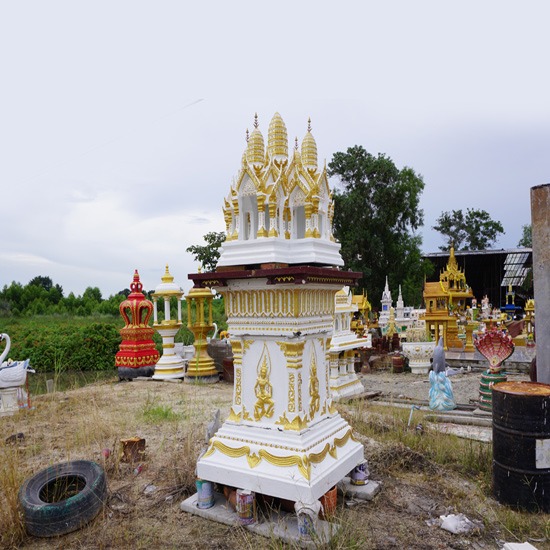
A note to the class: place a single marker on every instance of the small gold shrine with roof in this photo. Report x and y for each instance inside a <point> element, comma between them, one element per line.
<point>445,301</point>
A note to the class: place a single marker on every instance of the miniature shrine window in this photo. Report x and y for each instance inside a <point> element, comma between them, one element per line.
<point>249,209</point>
<point>299,222</point>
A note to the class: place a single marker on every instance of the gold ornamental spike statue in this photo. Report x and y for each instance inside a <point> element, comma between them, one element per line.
<point>199,321</point>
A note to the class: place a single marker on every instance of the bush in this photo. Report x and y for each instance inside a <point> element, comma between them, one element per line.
<point>64,343</point>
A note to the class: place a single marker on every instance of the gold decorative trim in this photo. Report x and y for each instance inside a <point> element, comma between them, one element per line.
<point>303,462</point>
<point>233,416</point>
<point>238,386</point>
<point>263,390</point>
<point>298,424</point>
<point>315,398</point>
<point>300,391</point>
<point>291,392</point>
<point>246,415</point>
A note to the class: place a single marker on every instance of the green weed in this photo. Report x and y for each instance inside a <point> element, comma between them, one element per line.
<point>160,413</point>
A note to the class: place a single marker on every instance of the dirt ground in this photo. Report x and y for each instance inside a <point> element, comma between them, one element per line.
<point>142,511</point>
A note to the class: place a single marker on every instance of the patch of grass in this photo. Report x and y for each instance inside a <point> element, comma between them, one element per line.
<point>396,426</point>
<point>11,478</point>
<point>154,413</point>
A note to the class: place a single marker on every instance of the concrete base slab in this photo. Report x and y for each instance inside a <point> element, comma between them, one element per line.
<point>361,492</point>
<point>478,433</point>
<point>278,525</point>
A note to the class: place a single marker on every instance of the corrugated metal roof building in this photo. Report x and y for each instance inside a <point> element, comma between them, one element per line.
<point>489,272</point>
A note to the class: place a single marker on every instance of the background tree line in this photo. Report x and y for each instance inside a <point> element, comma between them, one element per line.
<point>40,296</point>
<point>81,333</point>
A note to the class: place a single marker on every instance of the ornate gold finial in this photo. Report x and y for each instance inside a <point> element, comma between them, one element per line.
<point>296,143</point>
<point>167,278</point>
<point>200,268</point>
<point>247,135</point>
<point>309,149</point>
<point>452,264</point>
<point>256,120</point>
<point>277,140</point>
<point>255,150</point>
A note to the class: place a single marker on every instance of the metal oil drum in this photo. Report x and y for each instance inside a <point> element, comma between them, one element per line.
<point>521,445</point>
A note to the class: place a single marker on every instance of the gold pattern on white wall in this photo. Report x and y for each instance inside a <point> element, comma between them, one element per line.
<point>238,386</point>
<point>280,302</point>
<point>300,391</point>
<point>291,392</point>
<point>263,389</point>
<point>315,399</point>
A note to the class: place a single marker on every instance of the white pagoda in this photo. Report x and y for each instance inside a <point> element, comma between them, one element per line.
<point>279,273</point>
<point>386,305</point>
<point>343,379</point>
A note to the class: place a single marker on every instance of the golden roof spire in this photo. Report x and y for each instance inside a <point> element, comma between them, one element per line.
<point>452,264</point>
<point>247,136</point>
<point>167,278</point>
<point>255,150</point>
<point>277,138</point>
<point>309,149</point>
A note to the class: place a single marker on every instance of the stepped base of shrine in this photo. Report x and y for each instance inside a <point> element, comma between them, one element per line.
<point>299,466</point>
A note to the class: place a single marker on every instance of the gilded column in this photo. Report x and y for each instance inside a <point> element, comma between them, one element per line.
<point>287,221</point>
<point>237,219</point>
<point>262,232</point>
<point>293,418</point>
<point>273,220</point>
<point>308,209</point>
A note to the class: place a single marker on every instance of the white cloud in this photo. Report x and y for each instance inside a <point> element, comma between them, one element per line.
<point>109,161</point>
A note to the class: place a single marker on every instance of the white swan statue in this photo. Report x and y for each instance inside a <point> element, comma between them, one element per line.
<point>12,373</point>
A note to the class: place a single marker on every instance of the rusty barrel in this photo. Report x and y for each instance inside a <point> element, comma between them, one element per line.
<point>521,445</point>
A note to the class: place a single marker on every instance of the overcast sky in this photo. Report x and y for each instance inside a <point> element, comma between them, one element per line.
<point>122,123</point>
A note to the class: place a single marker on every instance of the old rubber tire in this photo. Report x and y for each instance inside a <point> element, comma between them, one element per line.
<point>63,497</point>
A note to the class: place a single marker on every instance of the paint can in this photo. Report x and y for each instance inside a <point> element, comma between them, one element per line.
<point>308,518</point>
<point>360,474</point>
<point>205,494</point>
<point>246,507</point>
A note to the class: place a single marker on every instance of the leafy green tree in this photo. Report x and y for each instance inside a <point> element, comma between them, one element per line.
<point>209,254</point>
<point>526,240</point>
<point>56,294</point>
<point>11,297</point>
<point>92,294</point>
<point>45,282</point>
<point>376,213</point>
<point>474,230</point>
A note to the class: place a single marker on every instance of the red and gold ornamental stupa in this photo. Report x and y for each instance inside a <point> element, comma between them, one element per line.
<point>138,354</point>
